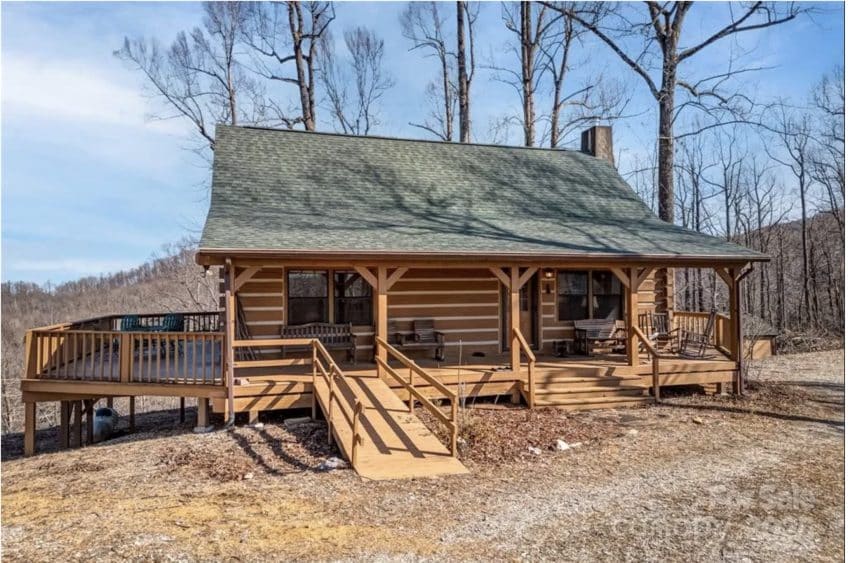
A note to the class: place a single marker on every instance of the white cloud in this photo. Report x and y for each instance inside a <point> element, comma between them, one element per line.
<point>74,91</point>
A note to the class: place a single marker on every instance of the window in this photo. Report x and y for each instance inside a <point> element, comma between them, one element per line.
<point>589,295</point>
<point>607,296</point>
<point>307,300</point>
<point>352,299</point>
<point>572,296</point>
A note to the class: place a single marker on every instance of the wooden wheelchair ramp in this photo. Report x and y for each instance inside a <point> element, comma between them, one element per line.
<point>394,443</point>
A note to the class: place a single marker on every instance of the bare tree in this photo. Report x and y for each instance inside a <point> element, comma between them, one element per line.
<point>532,26</point>
<point>466,18</point>
<point>285,38</point>
<point>793,133</point>
<point>354,88</point>
<point>656,34</point>
<point>828,151</point>
<point>423,23</point>
<point>597,99</point>
<point>199,77</point>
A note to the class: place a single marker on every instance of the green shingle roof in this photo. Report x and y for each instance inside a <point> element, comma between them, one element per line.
<point>293,191</point>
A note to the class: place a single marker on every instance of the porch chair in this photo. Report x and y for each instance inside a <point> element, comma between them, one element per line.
<point>173,322</point>
<point>131,323</point>
<point>422,336</point>
<point>656,327</point>
<point>694,344</point>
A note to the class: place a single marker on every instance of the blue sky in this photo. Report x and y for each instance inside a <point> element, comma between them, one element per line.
<point>90,184</point>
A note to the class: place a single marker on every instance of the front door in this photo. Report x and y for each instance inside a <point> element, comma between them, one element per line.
<point>529,319</point>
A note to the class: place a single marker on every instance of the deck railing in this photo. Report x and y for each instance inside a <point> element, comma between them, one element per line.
<point>95,350</point>
<point>449,421</point>
<point>532,360</point>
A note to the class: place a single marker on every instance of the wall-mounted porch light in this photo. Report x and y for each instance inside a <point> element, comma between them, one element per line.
<point>548,279</point>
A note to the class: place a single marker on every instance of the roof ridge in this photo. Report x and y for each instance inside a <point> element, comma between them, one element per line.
<point>402,139</point>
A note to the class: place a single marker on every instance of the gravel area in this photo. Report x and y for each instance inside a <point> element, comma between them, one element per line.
<point>697,478</point>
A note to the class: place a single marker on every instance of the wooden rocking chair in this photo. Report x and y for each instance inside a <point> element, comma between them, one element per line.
<point>694,344</point>
<point>656,326</point>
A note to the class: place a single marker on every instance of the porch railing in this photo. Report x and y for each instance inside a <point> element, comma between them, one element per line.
<point>449,421</point>
<point>532,360</point>
<point>95,350</point>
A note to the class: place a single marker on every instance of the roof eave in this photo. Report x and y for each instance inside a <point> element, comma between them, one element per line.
<point>215,256</point>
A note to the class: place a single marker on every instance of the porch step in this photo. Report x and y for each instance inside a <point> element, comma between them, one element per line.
<point>570,376</point>
<point>584,383</point>
<point>587,393</point>
<point>589,403</point>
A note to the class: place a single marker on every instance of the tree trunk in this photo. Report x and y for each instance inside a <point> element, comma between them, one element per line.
<point>462,77</point>
<point>666,149</point>
<point>806,308</point>
<point>527,49</point>
<point>296,26</point>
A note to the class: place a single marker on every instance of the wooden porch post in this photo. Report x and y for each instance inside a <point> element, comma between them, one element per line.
<point>230,335</point>
<point>381,317</point>
<point>732,278</point>
<point>632,300</point>
<point>516,363</point>
<point>736,344</point>
<point>29,428</point>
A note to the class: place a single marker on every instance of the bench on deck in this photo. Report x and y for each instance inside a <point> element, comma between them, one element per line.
<point>418,335</point>
<point>590,332</point>
<point>332,336</point>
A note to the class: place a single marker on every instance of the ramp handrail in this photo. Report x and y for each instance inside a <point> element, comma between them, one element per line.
<point>340,393</point>
<point>656,389</point>
<point>532,360</point>
<point>413,393</point>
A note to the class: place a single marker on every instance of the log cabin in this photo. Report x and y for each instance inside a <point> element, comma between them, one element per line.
<point>360,276</point>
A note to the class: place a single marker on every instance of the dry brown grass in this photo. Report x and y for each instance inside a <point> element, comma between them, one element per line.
<point>699,478</point>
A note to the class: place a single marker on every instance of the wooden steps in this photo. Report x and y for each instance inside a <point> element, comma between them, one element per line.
<point>586,389</point>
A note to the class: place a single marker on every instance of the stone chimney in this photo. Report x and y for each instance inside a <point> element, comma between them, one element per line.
<point>598,141</point>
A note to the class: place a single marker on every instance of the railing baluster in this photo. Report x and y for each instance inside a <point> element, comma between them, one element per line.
<point>185,378</point>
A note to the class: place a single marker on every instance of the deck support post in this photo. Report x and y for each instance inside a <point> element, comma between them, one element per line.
<point>182,409</point>
<point>203,422</point>
<point>132,413</point>
<point>77,428</point>
<point>89,404</point>
<point>64,423</point>
<point>29,428</point>
<point>632,300</point>
<point>253,417</point>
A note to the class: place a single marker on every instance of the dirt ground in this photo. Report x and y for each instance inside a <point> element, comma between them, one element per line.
<point>697,478</point>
